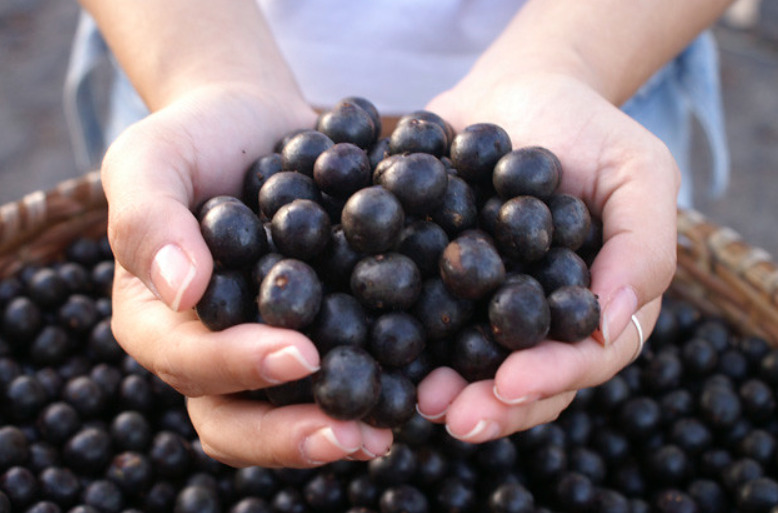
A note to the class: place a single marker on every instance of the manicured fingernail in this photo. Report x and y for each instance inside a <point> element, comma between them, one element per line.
<point>617,313</point>
<point>324,445</point>
<point>483,431</point>
<point>524,399</point>
<point>171,274</point>
<point>433,417</point>
<point>286,364</point>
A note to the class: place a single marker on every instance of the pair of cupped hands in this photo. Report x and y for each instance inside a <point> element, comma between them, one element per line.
<point>200,145</point>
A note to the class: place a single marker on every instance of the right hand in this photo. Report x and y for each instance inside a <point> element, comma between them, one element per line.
<point>155,173</point>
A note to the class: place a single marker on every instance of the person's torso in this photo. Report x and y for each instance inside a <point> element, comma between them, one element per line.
<point>397,53</point>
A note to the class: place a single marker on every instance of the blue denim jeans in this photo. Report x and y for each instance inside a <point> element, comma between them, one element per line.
<point>687,88</point>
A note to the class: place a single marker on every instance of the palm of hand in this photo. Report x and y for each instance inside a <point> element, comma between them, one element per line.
<point>630,181</point>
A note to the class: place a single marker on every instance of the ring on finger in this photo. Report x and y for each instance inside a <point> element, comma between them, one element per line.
<point>641,339</point>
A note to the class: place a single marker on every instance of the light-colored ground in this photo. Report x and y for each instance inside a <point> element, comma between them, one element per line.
<point>35,152</point>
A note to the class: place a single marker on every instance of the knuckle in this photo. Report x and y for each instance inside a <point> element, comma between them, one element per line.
<point>168,372</point>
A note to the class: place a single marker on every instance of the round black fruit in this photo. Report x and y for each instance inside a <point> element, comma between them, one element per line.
<point>418,180</point>
<point>572,220</point>
<point>372,220</point>
<point>389,281</point>
<point>348,384</point>
<point>560,267</point>
<point>423,242</point>
<point>415,135</point>
<point>301,229</point>
<point>476,149</point>
<point>348,122</point>
<point>302,150</point>
<point>285,187</point>
<point>290,295</point>
<point>396,401</point>
<point>575,313</point>
<point>530,171</point>
<point>226,301</point>
<point>519,313</point>
<point>341,320</point>
<point>471,267</point>
<point>342,170</point>
<point>396,339</point>
<point>524,228</point>
<point>256,176</point>
<point>475,354</point>
<point>233,234</point>
<point>458,211</point>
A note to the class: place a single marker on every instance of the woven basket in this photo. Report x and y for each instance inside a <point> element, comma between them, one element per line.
<point>717,271</point>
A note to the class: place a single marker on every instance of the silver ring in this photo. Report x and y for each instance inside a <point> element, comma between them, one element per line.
<point>641,340</point>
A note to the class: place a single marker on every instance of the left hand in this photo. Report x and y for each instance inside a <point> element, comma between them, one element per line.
<point>630,181</point>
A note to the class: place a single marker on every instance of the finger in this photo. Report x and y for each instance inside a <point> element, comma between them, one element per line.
<point>477,416</point>
<point>437,391</point>
<point>639,215</point>
<point>523,378</point>
<point>179,349</point>
<point>242,433</point>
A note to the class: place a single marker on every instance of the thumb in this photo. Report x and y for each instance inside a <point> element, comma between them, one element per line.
<point>148,179</point>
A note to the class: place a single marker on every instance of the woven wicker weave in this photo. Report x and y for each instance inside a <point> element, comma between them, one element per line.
<point>717,271</point>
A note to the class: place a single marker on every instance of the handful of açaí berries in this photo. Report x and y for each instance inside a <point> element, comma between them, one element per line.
<point>400,254</point>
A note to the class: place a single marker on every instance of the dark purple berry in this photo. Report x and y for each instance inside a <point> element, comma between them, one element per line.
<point>348,384</point>
<point>234,234</point>
<point>476,150</point>
<point>532,171</point>
<point>475,354</point>
<point>372,220</point>
<point>458,211</point>
<point>560,267</point>
<point>519,313</point>
<point>575,313</point>
<point>301,151</point>
<point>290,295</point>
<point>285,187</point>
<point>572,220</point>
<point>418,180</point>
<point>348,122</point>
<point>523,229</point>
<point>396,401</point>
<point>389,281</point>
<point>341,321</point>
<point>440,312</point>
<point>396,339</point>
<point>471,267</point>
<point>256,176</point>
<point>342,170</point>
<point>226,301</point>
<point>415,135</point>
<point>301,229</point>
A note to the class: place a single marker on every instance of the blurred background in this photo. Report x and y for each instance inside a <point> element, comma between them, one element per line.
<point>36,154</point>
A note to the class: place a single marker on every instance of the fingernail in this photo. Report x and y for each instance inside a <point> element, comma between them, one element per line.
<point>483,431</point>
<point>318,446</point>
<point>524,399</point>
<point>617,313</point>
<point>286,364</point>
<point>171,274</point>
<point>436,416</point>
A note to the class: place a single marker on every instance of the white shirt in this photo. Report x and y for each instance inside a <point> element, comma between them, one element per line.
<point>398,54</point>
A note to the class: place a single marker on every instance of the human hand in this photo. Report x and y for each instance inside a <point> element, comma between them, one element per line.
<point>630,181</point>
<point>154,175</point>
